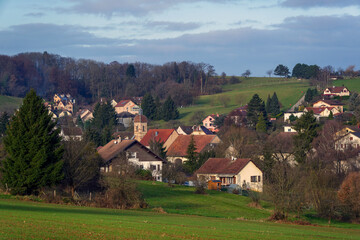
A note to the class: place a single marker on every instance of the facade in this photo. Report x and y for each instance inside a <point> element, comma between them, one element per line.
<point>176,153</point>
<point>295,114</point>
<point>348,141</point>
<point>322,111</point>
<point>140,127</point>
<point>289,129</point>
<point>336,91</point>
<point>136,154</point>
<point>242,172</point>
<point>74,133</point>
<point>208,122</point>
<point>86,115</point>
<point>127,106</point>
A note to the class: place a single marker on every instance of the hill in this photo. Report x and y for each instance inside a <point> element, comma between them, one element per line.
<point>289,91</point>
<point>9,104</point>
<point>352,84</point>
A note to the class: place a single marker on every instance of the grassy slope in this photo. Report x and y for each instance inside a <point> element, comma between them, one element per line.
<point>289,92</point>
<point>9,104</point>
<point>25,220</point>
<point>351,84</point>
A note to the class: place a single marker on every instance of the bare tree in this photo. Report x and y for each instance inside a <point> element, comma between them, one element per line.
<point>269,72</point>
<point>247,73</point>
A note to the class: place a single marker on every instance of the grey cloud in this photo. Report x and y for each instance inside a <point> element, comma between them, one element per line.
<point>173,26</point>
<point>35,14</point>
<point>134,7</point>
<point>319,3</point>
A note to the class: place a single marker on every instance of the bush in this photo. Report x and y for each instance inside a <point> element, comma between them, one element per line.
<point>143,174</point>
<point>349,196</point>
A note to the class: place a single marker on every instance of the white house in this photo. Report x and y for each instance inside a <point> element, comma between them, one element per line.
<point>242,172</point>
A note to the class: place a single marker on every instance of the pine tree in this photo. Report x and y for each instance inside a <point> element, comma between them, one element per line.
<point>256,106</point>
<point>331,116</point>
<point>268,104</point>
<point>192,157</point>
<point>158,148</point>
<point>309,95</point>
<point>261,124</point>
<point>148,106</point>
<point>274,105</point>
<point>169,110</point>
<point>33,149</point>
<point>4,120</point>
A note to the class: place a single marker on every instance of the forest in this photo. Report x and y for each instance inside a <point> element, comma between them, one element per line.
<point>89,80</point>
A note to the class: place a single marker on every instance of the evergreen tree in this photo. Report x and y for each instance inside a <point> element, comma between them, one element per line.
<point>158,109</point>
<point>292,118</point>
<point>4,120</point>
<point>268,104</point>
<point>148,106</point>
<point>192,157</point>
<point>274,105</point>
<point>256,106</point>
<point>169,110</point>
<point>306,127</point>
<point>331,116</point>
<point>158,148</point>
<point>33,149</point>
<point>308,95</point>
<point>261,124</point>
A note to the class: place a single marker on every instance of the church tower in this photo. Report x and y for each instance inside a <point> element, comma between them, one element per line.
<point>140,126</point>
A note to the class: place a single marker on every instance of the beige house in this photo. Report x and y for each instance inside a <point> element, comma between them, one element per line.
<point>242,172</point>
<point>336,91</point>
<point>322,111</point>
<point>127,106</point>
<point>349,140</point>
<point>289,129</point>
<point>136,154</point>
<point>329,103</point>
<point>177,151</point>
<point>86,115</point>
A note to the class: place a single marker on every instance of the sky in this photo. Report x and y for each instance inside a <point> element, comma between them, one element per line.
<point>231,35</point>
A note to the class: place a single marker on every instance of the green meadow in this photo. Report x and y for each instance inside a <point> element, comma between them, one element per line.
<point>352,84</point>
<point>9,104</point>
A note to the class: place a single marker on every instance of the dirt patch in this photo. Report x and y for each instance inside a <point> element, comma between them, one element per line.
<point>159,210</point>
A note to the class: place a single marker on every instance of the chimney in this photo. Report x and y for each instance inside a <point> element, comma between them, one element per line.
<point>233,158</point>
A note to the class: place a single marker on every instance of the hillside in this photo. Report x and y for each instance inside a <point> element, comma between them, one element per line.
<point>351,84</point>
<point>9,104</point>
<point>289,91</point>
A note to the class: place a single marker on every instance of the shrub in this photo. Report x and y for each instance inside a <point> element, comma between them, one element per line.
<point>349,195</point>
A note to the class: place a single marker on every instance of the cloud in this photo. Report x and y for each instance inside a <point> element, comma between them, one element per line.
<point>134,7</point>
<point>35,14</point>
<point>311,40</point>
<point>319,3</point>
<point>173,26</point>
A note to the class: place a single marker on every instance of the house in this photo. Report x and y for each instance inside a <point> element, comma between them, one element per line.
<point>136,154</point>
<point>295,114</point>
<point>113,103</point>
<point>193,130</point>
<point>127,106</point>
<point>323,111</point>
<point>65,114</point>
<point>336,91</point>
<point>329,103</point>
<point>349,140</point>
<point>176,153</point>
<point>125,118</point>
<point>242,172</point>
<point>74,133</point>
<point>347,129</point>
<point>208,122</point>
<point>237,116</point>
<point>85,115</point>
<point>63,98</point>
<point>289,129</point>
<point>166,136</point>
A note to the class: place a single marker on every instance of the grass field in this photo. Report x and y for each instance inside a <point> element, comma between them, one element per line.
<point>30,220</point>
<point>351,84</point>
<point>289,91</point>
<point>9,104</point>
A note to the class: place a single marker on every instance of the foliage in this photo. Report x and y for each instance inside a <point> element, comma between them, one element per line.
<point>281,70</point>
<point>310,94</point>
<point>4,120</point>
<point>169,110</point>
<point>219,121</point>
<point>247,73</point>
<point>306,127</point>
<point>261,124</point>
<point>349,195</point>
<point>173,173</point>
<point>148,106</point>
<point>81,164</point>
<point>191,156</point>
<point>305,71</point>
<point>33,149</point>
<point>292,118</point>
<point>256,107</point>
<point>274,106</point>
<point>198,117</point>
<point>157,146</point>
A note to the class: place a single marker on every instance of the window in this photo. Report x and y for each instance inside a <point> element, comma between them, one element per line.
<point>143,128</point>
<point>351,138</point>
<point>132,154</point>
<point>289,130</point>
<point>259,178</point>
<point>158,167</point>
<point>152,167</point>
<point>253,178</point>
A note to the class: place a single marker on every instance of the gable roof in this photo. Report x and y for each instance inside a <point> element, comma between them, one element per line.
<point>187,129</point>
<point>114,147</point>
<point>223,166</point>
<point>318,110</point>
<point>122,103</point>
<point>336,89</point>
<point>74,131</point>
<point>161,135</point>
<point>330,102</point>
<point>179,146</point>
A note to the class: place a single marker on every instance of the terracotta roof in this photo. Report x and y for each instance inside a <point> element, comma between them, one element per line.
<point>336,89</point>
<point>156,134</point>
<point>140,118</point>
<point>223,166</point>
<point>122,103</point>
<point>179,146</point>
<point>330,102</point>
<point>318,110</point>
<point>187,129</point>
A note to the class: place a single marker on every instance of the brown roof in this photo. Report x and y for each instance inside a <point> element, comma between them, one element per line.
<point>223,166</point>
<point>114,147</point>
<point>74,131</point>
<point>122,103</point>
<point>140,118</point>
<point>336,89</point>
<point>161,135</point>
<point>179,146</point>
<point>318,110</point>
<point>330,102</point>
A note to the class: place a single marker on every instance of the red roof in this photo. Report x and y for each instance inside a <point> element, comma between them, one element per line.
<point>331,102</point>
<point>223,166</point>
<point>318,110</point>
<point>179,146</point>
<point>161,135</point>
<point>140,118</point>
<point>122,103</point>
<point>336,89</point>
